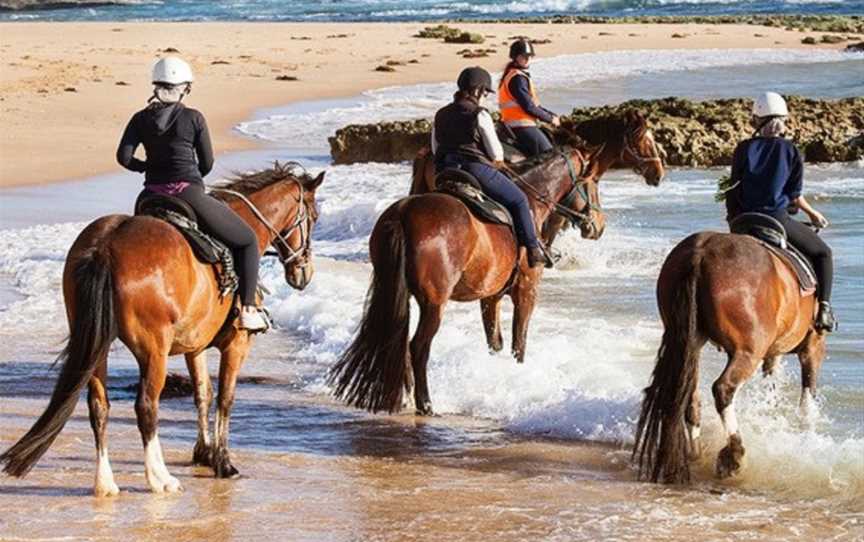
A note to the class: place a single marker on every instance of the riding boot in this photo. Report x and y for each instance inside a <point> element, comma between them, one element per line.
<point>537,256</point>
<point>825,320</point>
<point>253,319</point>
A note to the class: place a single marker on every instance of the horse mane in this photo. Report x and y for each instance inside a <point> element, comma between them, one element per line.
<point>528,166</point>
<point>595,131</point>
<point>248,183</point>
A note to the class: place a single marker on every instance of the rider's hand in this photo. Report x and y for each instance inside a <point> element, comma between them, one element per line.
<point>498,164</point>
<point>556,121</point>
<point>819,220</point>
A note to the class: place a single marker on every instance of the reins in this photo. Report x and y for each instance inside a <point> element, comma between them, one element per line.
<point>279,238</point>
<point>578,187</point>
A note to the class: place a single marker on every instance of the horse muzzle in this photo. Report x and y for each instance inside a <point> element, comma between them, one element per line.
<point>300,275</point>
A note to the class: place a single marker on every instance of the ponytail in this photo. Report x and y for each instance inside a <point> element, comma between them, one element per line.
<point>510,66</point>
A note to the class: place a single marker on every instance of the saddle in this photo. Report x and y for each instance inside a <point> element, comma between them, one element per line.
<point>206,248</point>
<point>772,235</point>
<point>462,185</point>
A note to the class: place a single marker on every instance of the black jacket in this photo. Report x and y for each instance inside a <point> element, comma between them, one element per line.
<point>456,131</point>
<point>176,141</point>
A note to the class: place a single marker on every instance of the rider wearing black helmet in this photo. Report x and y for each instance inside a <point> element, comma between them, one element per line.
<point>463,136</point>
<point>519,104</point>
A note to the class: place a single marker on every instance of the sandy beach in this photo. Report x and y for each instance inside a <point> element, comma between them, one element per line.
<point>67,90</point>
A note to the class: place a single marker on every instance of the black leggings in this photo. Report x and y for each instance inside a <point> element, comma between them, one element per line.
<point>221,221</point>
<point>808,242</point>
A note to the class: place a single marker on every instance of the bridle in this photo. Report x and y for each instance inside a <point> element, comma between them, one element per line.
<point>302,222</point>
<point>642,162</point>
<point>578,187</point>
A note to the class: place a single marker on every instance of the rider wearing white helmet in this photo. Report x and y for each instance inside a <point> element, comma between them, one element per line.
<point>178,155</point>
<point>771,172</point>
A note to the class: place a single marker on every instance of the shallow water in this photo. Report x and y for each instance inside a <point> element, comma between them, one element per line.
<point>521,452</point>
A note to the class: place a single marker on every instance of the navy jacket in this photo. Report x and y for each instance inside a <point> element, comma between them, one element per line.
<point>771,172</point>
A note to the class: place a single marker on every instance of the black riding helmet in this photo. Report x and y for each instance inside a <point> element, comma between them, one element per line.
<point>521,47</point>
<point>475,77</point>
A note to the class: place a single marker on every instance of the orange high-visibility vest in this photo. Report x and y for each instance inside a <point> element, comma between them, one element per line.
<point>512,113</point>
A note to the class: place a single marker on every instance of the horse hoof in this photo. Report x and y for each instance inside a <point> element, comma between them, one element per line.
<point>168,485</point>
<point>424,409</point>
<point>695,451</point>
<point>227,472</point>
<point>730,458</point>
<point>106,490</point>
<point>202,455</point>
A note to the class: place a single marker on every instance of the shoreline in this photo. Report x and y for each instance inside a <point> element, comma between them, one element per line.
<point>88,79</point>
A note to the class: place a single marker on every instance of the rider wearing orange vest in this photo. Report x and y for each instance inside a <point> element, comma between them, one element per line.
<point>520,107</point>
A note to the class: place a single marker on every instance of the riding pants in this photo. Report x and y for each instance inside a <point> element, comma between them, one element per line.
<point>219,220</point>
<point>531,141</point>
<point>819,253</point>
<point>500,188</point>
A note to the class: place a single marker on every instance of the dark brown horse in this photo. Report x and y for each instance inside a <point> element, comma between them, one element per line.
<point>137,279</point>
<point>431,246</point>
<point>622,140</point>
<point>729,290</point>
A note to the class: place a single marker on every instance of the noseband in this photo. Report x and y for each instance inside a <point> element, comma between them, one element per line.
<point>642,162</point>
<point>284,252</point>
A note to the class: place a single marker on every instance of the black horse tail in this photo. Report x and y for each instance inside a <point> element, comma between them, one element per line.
<point>661,437</point>
<point>371,372</point>
<point>93,329</point>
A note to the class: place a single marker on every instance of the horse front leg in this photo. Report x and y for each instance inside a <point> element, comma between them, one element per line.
<point>232,359</point>
<point>197,365</point>
<point>524,295</point>
<point>490,308</point>
<point>810,355</point>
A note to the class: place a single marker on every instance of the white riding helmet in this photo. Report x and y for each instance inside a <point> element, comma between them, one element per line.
<point>770,104</point>
<point>173,71</point>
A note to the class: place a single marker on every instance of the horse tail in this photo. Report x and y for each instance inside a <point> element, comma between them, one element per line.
<point>661,438</point>
<point>371,372</point>
<point>93,329</point>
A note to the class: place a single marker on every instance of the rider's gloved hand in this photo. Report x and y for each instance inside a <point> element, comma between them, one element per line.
<point>556,121</point>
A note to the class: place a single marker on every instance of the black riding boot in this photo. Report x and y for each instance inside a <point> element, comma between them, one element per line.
<point>825,320</point>
<point>538,256</point>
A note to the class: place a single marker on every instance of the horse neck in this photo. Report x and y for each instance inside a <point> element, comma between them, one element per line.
<point>276,202</point>
<point>550,179</point>
<point>606,159</point>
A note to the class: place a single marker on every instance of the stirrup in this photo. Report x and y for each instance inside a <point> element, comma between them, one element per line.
<point>255,321</point>
<point>825,319</point>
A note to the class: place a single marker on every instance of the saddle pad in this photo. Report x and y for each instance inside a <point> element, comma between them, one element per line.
<point>799,264</point>
<point>482,206</point>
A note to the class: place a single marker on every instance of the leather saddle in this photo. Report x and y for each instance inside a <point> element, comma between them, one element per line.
<point>772,235</point>
<point>462,185</point>
<point>207,248</point>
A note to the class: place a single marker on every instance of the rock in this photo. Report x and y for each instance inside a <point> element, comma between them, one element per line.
<point>855,47</point>
<point>694,134</point>
<point>440,31</point>
<point>286,78</point>
<point>395,63</point>
<point>679,36</point>
<point>465,37</point>
<point>828,38</point>
<point>385,68</point>
<point>809,40</point>
<point>170,50</point>
<point>70,89</point>
<point>122,84</point>
<point>218,62</point>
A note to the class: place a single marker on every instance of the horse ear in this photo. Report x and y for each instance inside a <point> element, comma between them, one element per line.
<point>316,182</point>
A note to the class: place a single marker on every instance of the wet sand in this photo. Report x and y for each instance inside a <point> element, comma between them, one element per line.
<point>313,470</point>
<point>67,90</point>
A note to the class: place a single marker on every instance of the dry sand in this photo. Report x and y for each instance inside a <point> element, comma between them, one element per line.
<point>67,89</point>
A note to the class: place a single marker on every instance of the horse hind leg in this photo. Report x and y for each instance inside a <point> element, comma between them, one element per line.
<point>97,401</point>
<point>197,365</point>
<point>740,367</point>
<point>153,373</point>
<point>427,327</point>
<point>490,309</point>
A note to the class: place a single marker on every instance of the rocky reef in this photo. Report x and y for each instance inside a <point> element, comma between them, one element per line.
<point>694,134</point>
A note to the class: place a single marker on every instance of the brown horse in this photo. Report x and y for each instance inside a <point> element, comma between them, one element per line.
<point>432,247</point>
<point>621,140</point>
<point>137,279</point>
<point>732,291</point>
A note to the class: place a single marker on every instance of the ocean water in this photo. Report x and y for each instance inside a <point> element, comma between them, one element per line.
<point>421,10</point>
<point>595,332</point>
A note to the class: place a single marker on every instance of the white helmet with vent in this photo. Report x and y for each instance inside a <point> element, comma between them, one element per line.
<point>172,70</point>
<point>770,104</point>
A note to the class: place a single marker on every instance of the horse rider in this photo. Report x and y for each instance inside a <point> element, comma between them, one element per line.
<point>178,155</point>
<point>463,137</point>
<point>520,107</point>
<point>771,172</point>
